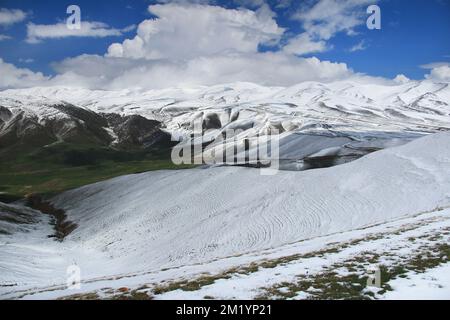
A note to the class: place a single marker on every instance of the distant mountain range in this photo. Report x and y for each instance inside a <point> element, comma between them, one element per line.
<point>346,116</point>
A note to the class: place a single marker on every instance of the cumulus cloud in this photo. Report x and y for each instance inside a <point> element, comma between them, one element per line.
<point>11,16</point>
<point>188,31</point>
<point>37,32</point>
<point>263,68</point>
<point>13,77</point>
<point>440,74</point>
<point>189,45</point>
<point>439,71</point>
<point>198,45</point>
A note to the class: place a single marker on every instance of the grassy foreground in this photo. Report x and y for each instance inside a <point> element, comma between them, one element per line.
<point>64,166</point>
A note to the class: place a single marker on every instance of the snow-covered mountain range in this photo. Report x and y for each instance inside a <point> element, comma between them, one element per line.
<point>414,106</point>
<point>349,118</point>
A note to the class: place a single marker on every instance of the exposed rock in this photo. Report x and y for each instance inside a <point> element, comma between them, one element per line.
<point>135,131</point>
<point>5,115</point>
<point>80,126</point>
<point>211,121</point>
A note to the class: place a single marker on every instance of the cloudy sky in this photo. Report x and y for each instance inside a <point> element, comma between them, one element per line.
<point>157,44</point>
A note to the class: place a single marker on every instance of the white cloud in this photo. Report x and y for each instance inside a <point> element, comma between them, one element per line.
<point>4,37</point>
<point>434,65</point>
<point>439,71</point>
<point>189,45</point>
<point>440,74</point>
<point>303,44</point>
<point>326,18</point>
<point>263,68</point>
<point>11,16</point>
<point>323,20</point>
<point>37,32</point>
<point>360,46</point>
<point>13,77</point>
<point>401,78</point>
<point>189,31</point>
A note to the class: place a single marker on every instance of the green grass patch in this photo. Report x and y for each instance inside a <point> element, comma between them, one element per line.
<point>64,166</point>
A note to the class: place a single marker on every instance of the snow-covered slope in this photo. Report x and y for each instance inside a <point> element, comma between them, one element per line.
<point>225,211</point>
<point>156,220</point>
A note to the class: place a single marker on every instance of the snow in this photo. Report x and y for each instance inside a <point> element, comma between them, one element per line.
<point>433,284</point>
<point>383,239</point>
<point>353,114</point>
<point>168,224</point>
<point>135,223</point>
<point>226,211</point>
<point>341,105</point>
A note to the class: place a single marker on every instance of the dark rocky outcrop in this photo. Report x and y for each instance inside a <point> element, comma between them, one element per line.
<point>61,225</point>
<point>211,121</point>
<point>5,115</point>
<point>135,131</point>
<point>79,126</point>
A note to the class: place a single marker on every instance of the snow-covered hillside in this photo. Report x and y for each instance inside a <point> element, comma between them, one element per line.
<point>155,221</point>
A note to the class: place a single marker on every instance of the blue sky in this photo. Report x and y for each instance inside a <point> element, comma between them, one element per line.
<point>413,33</point>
